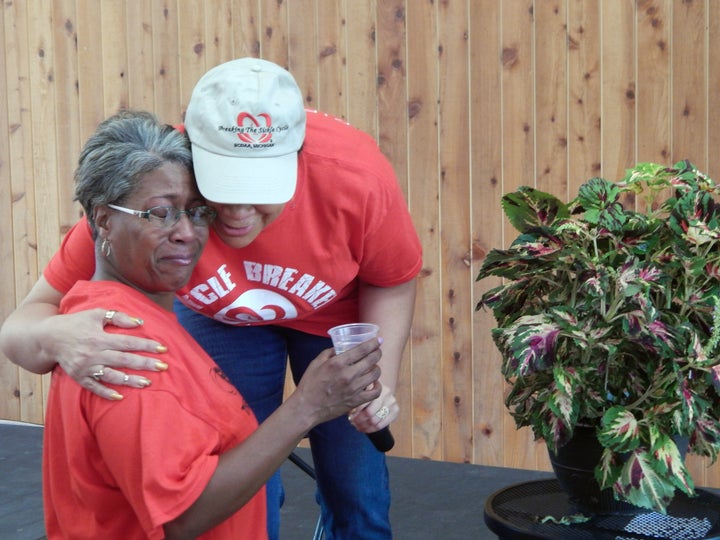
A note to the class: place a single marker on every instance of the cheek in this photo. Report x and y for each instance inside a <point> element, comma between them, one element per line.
<point>137,249</point>
<point>269,217</point>
<point>140,258</point>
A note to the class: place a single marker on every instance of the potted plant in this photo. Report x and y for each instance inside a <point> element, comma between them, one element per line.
<point>609,317</point>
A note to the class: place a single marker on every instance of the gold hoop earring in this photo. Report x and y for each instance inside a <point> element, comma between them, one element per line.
<point>105,248</point>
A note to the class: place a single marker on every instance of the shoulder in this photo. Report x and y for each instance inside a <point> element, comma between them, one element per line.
<point>328,135</point>
<point>343,153</point>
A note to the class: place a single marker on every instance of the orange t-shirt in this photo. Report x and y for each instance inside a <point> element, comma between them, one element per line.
<point>347,222</point>
<point>122,469</point>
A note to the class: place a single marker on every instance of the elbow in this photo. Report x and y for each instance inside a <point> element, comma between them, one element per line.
<point>6,346</point>
<point>174,530</point>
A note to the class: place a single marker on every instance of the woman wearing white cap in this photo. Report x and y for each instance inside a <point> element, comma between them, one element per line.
<point>312,231</point>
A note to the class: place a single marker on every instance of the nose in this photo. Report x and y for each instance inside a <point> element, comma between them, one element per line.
<point>236,210</point>
<point>184,230</point>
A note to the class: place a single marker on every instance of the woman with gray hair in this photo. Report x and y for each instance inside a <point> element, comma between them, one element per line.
<point>183,458</point>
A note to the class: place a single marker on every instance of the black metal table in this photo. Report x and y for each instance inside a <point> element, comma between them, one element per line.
<point>518,512</point>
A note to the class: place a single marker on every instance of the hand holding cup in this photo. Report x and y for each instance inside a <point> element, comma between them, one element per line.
<point>345,337</point>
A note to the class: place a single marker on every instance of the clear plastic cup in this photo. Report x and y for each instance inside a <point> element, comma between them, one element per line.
<point>347,336</point>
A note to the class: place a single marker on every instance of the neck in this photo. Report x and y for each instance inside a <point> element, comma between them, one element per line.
<point>164,299</point>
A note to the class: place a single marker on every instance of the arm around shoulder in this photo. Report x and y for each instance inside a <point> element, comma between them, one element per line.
<point>23,336</point>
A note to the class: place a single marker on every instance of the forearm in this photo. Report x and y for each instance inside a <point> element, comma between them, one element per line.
<point>22,335</point>
<point>331,386</point>
<point>391,308</point>
<point>242,471</point>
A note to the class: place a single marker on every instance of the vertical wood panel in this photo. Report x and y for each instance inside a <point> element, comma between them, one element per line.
<point>191,25</point>
<point>362,66</point>
<point>166,54</point>
<point>221,23</point>
<point>713,91</point>
<point>25,226</point>
<point>468,99</point>
<point>516,27</point>
<point>67,109</point>
<point>689,109</point>
<point>712,474</point>
<point>90,71</point>
<point>550,115</point>
<point>653,87</point>
<point>332,57</point>
<point>424,409</point>
<point>42,108</point>
<point>391,86</point>
<point>486,228</point>
<point>114,57</point>
<point>551,84</point>
<point>277,21</point>
<point>689,105</point>
<point>392,136</point>
<point>42,103</point>
<point>141,72</point>
<point>584,92</point>
<point>454,157</point>
<point>246,29</point>
<point>19,137</point>
<point>618,87</point>
<point>301,58</point>
<point>9,376</point>
<point>653,82</point>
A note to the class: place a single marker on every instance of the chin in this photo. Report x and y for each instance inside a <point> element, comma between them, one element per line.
<point>237,242</point>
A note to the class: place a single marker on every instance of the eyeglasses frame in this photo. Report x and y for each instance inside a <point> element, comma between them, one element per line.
<point>145,214</point>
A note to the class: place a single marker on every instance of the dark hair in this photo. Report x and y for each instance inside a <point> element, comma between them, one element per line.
<point>123,148</point>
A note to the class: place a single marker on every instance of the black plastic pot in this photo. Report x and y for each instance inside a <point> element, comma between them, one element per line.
<point>574,466</point>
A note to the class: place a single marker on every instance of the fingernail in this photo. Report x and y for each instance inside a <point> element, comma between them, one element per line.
<point>145,382</point>
<point>161,349</point>
<point>138,320</point>
<point>160,366</point>
<point>115,396</point>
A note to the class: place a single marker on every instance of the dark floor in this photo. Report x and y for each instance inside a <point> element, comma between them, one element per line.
<point>430,500</point>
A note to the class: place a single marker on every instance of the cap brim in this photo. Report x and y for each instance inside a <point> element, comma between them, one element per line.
<point>233,180</point>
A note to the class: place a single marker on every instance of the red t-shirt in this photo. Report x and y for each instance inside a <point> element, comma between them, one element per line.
<point>121,469</point>
<point>347,221</point>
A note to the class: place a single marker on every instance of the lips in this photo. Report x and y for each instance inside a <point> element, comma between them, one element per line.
<point>184,258</point>
<point>233,231</point>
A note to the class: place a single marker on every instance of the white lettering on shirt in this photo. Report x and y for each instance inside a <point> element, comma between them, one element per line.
<point>200,292</point>
<point>248,307</point>
<point>314,291</point>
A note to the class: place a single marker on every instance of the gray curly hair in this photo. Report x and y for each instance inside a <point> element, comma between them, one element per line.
<point>123,148</point>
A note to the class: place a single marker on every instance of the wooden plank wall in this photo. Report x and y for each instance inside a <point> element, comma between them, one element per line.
<point>468,98</point>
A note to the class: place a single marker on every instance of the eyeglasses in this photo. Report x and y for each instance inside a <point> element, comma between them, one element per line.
<point>167,216</point>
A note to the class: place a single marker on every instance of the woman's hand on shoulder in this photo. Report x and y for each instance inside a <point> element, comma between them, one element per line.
<point>94,357</point>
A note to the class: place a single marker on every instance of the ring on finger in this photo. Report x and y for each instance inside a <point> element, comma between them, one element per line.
<point>109,314</point>
<point>126,378</point>
<point>382,412</point>
<point>97,375</point>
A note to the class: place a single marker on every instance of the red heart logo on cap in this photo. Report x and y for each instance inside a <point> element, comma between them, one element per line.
<point>250,137</point>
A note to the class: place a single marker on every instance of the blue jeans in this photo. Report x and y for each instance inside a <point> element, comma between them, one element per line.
<point>352,477</point>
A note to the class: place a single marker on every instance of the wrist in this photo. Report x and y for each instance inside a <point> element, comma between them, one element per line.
<point>302,413</point>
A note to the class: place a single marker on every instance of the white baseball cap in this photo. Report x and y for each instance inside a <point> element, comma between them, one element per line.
<point>246,123</point>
